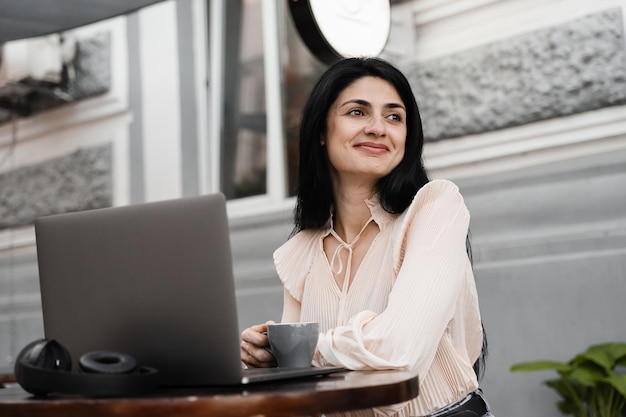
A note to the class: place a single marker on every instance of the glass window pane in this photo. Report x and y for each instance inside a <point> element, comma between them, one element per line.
<point>300,71</point>
<point>243,150</point>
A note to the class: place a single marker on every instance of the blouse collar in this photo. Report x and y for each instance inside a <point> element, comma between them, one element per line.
<point>379,214</point>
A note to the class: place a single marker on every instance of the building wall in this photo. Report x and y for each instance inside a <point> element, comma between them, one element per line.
<point>120,146</point>
<point>550,246</point>
<point>523,101</point>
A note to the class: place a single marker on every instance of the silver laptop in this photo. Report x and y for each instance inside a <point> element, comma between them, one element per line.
<point>152,280</point>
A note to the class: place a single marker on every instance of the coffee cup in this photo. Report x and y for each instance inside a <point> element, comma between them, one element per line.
<point>293,344</point>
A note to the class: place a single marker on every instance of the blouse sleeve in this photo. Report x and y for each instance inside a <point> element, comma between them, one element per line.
<point>293,261</point>
<point>431,262</point>
<point>291,308</point>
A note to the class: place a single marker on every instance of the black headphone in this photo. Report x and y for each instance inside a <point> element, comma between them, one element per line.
<point>44,367</point>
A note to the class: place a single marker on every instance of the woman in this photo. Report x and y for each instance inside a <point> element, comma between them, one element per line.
<point>378,256</point>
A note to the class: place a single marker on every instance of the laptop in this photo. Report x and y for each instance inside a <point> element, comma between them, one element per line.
<point>153,280</point>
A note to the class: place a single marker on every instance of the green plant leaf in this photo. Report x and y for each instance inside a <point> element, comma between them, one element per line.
<point>543,365</point>
<point>606,355</point>
<point>566,408</point>
<point>572,393</point>
<point>593,383</point>
<point>619,383</point>
<point>588,376</point>
<point>562,389</point>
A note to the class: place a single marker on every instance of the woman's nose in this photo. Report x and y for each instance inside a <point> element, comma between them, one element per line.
<point>375,126</point>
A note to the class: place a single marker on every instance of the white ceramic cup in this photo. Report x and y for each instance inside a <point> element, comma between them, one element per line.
<point>293,344</point>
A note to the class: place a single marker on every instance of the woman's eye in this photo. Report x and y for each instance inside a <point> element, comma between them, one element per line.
<point>396,117</point>
<point>356,112</point>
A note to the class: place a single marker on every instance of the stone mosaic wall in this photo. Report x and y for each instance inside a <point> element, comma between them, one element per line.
<point>557,71</point>
<point>81,180</point>
<point>92,67</point>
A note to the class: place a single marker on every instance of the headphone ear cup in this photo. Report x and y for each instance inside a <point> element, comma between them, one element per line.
<point>26,351</point>
<point>48,354</point>
<point>40,355</point>
<point>107,362</point>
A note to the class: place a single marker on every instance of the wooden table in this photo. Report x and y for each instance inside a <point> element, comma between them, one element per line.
<point>344,391</point>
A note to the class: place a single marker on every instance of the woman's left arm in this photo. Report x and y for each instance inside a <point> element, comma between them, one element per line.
<point>432,266</point>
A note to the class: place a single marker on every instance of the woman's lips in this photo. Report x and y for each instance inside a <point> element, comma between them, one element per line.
<point>372,147</point>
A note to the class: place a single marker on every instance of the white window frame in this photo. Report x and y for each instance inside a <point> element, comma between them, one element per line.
<point>276,198</point>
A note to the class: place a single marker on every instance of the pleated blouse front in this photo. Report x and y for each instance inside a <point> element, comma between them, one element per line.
<point>412,303</point>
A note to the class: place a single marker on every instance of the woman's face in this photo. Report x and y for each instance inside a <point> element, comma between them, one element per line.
<point>366,131</point>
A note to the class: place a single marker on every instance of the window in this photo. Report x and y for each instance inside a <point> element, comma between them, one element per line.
<point>243,156</point>
<point>261,75</point>
<point>300,71</point>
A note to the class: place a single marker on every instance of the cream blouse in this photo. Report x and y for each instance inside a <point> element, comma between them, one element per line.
<point>412,303</point>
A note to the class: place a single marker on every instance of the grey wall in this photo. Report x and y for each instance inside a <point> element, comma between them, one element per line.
<point>550,263</point>
<point>20,306</point>
<point>259,291</point>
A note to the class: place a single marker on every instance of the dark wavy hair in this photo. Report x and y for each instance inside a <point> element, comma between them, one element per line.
<point>396,190</point>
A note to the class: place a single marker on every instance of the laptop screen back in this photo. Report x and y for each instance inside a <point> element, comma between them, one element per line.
<point>152,280</point>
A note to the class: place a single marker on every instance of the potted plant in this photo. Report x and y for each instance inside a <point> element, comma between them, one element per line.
<point>592,384</point>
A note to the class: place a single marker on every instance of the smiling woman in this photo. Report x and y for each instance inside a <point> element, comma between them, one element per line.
<point>378,255</point>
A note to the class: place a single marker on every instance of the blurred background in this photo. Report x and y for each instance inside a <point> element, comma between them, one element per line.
<point>523,106</point>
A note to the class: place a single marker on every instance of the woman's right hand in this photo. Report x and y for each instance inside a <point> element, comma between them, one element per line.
<point>253,343</point>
